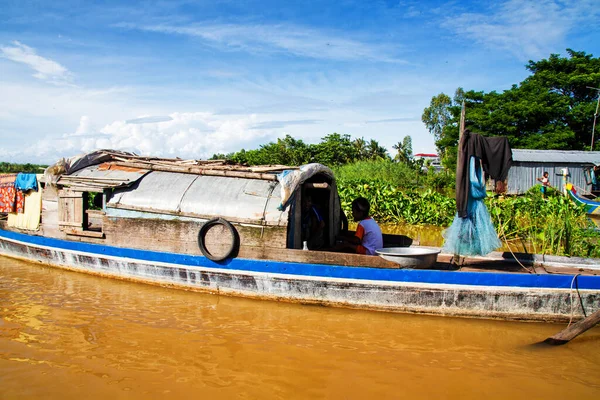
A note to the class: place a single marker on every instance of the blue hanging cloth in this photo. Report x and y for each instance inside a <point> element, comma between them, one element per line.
<point>25,182</point>
<point>475,234</point>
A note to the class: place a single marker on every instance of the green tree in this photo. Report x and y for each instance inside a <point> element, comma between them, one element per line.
<point>404,150</point>
<point>361,147</point>
<point>375,151</point>
<point>334,150</point>
<point>437,116</point>
<point>552,108</point>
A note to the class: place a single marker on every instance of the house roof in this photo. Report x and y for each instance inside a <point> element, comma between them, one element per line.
<point>102,176</point>
<point>556,156</point>
<point>425,155</point>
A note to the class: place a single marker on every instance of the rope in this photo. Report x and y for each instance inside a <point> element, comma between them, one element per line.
<point>580,299</point>
<point>574,280</point>
<point>571,299</point>
<point>511,252</point>
<point>584,191</point>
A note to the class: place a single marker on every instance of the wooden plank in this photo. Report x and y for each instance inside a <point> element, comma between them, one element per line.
<point>198,170</point>
<point>69,223</point>
<point>70,208</point>
<point>94,234</point>
<point>182,236</point>
<point>572,331</point>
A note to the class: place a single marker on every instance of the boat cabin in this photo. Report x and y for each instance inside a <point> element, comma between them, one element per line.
<point>160,204</point>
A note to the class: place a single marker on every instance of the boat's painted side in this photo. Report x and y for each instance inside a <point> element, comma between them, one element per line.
<point>473,294</point>
<point>591,207</point>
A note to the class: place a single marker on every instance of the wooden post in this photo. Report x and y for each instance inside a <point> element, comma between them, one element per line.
<point>574,330</point>
<point>461,128</point>
<point>457,259</point>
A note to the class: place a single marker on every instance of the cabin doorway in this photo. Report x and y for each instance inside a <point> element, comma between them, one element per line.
<point>316,214</point>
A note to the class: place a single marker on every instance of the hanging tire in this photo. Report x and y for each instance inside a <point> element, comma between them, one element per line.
<point>234,246</point>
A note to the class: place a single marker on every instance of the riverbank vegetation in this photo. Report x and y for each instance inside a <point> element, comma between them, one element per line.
<point>554,225</point>
<point>528,223</point>
<point>6,168</point>
<point>351,160</point>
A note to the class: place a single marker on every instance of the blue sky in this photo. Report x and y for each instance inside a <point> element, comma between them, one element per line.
<point>192,78</point>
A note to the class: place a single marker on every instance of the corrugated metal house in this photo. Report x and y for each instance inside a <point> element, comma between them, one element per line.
<point>528,165</point>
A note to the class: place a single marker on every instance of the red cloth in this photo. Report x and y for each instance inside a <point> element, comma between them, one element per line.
<point>11,199</point>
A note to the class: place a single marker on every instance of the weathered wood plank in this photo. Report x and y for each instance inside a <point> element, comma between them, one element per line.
<point>76,232</point>
<point>68,223</point>
<point>199,170</point>
<point>181,236</point>
<point>571,332</point>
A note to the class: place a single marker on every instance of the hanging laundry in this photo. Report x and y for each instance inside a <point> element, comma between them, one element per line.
<point>25,182</point>
<point>474,234</point>
<point>11,200</point>
<point>496,157</point>
<point>30,218</point>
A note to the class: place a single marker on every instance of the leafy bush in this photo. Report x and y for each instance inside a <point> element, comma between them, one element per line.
<point>390,204</point>
<point>394,173</point>
<point>554,225</point>
<point>6,167</point>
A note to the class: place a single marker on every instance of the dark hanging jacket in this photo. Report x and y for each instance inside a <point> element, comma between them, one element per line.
<point>496,158</point>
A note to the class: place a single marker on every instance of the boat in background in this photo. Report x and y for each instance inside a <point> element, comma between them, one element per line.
<point>591,207</point>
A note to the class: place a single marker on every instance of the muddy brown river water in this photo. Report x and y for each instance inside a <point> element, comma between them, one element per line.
<point>66,335</point>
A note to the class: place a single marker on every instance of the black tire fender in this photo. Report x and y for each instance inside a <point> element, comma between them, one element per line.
<point>234,245</point>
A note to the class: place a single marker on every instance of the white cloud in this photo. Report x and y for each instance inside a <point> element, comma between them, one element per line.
<point>150,119</point>
<point>526,28</point>
<point>294,40</point>
<point>193,135</point>
<point>85,126</point>
<point>45,69</point>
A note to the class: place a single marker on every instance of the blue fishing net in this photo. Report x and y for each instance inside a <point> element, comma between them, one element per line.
<point>474,235</point>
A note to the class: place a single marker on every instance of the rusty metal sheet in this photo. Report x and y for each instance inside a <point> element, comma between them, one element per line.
<point>233,197</point>
<point>107,173</point>
<point>251,200</point>
<point>158,191</point>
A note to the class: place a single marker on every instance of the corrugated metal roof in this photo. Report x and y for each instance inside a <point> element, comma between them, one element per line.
<point>237,199</point>
<point>106,175</point>
<point>556,156</point>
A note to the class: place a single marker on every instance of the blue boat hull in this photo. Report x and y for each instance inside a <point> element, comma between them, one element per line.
<point>470,294</point>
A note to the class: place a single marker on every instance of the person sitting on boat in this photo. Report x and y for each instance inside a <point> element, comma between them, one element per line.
<point>368,237</point>
<point>545,183</point>
<point>313,224</point>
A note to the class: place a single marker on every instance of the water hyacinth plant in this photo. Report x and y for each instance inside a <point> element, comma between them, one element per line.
<point>528,223</point>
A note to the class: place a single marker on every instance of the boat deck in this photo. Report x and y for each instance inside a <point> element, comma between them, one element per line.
<point>527,264</point>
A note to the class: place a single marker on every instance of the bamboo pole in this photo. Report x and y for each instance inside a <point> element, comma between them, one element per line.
<point>457,259</point>
<point>198,170</point>
<point>595,116</point>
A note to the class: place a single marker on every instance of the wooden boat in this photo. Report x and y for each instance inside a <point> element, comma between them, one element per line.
<point>156,224</point>
<point>591,207</point>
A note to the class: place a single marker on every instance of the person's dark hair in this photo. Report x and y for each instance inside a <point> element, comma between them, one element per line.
<point>362,205</point>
